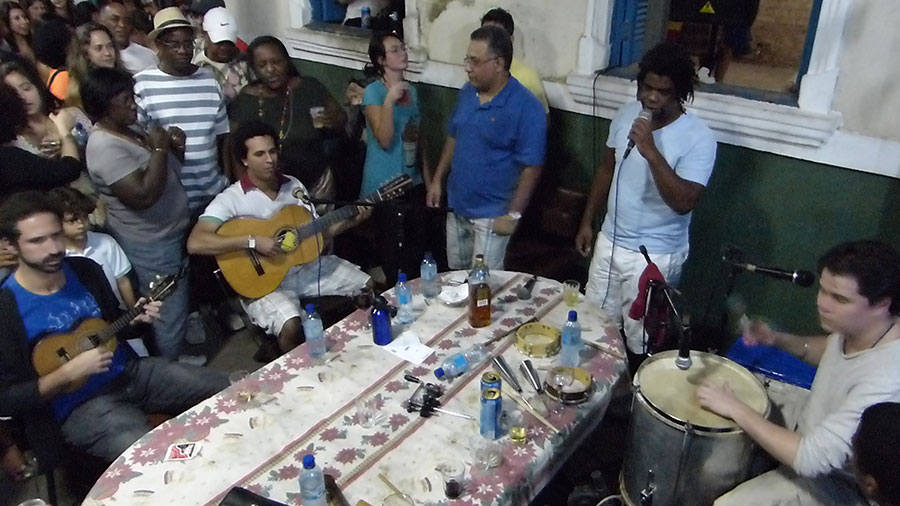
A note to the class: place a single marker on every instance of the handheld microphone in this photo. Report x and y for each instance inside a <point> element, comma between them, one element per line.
<point>645,115</point>
<point>799,278</point>
<point>524,292</point>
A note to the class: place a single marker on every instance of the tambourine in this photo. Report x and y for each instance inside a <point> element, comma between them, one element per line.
<point>579,391</point>
<point>538,340</point>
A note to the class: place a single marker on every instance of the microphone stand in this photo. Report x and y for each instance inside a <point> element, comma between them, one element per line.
<point>682,326</point>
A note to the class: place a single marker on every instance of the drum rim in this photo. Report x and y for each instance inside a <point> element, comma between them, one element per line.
<point>679,423</point>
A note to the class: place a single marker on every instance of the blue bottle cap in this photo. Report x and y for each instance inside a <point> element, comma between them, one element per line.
<point>309,461</point>
<point>428,255</point>
<point>310,309</point>
<point>401,277</point>
<point>573,316</point>
<point>439,373</point>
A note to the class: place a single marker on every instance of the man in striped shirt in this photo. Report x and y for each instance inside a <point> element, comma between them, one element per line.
<point>178,93</point>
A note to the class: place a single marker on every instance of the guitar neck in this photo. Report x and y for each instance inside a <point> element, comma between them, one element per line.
<point>322,224</point>
<point>109,333</point>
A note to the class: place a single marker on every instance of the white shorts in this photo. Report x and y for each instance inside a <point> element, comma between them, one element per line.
<point>467,237</point>
<point>613,283</point>
<point>329,275</point>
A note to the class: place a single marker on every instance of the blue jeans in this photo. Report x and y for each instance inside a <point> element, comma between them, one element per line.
<point>106,425</point>
<point>162,258</point>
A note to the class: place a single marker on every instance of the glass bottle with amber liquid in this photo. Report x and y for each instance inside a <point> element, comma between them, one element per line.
<point>479,294</point>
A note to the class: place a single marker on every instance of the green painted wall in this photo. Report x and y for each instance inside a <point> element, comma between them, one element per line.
<point>785,212</point>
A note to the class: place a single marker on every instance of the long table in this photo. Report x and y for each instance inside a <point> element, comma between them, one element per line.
<point>302,406</point>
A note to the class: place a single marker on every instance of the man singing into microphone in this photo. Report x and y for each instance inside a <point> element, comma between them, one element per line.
<point>859,304</point>
<point>658,160</point>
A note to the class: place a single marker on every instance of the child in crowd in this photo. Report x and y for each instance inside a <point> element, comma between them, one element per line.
<point>101,248</point>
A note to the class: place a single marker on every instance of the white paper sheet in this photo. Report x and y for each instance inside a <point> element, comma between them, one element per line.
<point>408,347</point>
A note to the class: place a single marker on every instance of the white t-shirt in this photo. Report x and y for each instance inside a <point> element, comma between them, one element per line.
<point>136,58</point>
<point>844,386</point>
<point>244,200</point>
<point>636,212</point>
<point>104,250</point>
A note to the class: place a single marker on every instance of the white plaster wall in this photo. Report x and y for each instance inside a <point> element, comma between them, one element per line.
<point>868,87</point>
<point>260,17</point>
<point>546,34</point>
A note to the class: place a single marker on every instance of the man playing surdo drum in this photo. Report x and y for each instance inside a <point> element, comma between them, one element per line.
<point>858,304</point>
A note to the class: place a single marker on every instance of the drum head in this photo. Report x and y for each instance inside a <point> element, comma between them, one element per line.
<point>673,392</point>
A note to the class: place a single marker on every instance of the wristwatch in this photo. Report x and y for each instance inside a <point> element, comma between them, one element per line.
<point>514,215</point>
<point>251,242</point>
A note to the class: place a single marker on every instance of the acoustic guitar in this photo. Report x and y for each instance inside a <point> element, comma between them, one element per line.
<point>254,275</point>
<point>52,352</point>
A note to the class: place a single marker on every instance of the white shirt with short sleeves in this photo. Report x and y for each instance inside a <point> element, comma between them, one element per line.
<point>136,58</point>
<point>327,275</point>
<point>636,213</point>
<point>104,250</point>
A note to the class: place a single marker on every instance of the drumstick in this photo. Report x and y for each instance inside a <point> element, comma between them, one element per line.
<point>521,402</point>
<point>510,331</point>
<point>604,349</point>
<point>390,485</point>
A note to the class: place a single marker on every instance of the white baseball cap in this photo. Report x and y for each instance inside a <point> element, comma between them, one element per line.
<point>220,25</point>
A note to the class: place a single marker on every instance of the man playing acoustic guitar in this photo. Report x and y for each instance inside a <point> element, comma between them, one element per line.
<point>93,397</point>
<point>262,193</point>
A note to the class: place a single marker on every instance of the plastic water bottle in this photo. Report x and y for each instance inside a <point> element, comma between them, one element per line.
<point>80,135</point>
<point>458,364</point>
<point>431,287</point>
<point>404,300</point>
<point>312,483</point>
<point>571,341</point>
<point>315,334</point>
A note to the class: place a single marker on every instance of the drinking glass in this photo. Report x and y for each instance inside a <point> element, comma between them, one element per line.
<point>244,394</point>
<point>559,378</point>
<point>368,413</point>
<point>570,292</point>
<point>363,299</point>
<point>452,472</point>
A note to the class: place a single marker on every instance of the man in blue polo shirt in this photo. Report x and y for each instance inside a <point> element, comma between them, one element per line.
<point>494,154</point>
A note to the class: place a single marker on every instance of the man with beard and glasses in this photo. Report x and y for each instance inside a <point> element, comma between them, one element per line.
<point>49,294</point>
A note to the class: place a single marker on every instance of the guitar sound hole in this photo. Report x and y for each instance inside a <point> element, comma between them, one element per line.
<point>90,342</point>
<point>288,239</point>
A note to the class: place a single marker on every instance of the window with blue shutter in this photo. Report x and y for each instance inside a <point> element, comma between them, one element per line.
<point>628,31</point>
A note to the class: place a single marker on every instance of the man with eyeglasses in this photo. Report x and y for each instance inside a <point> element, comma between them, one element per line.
<point>494,154</point>
<point>177,93</point>
<point>518,68</point>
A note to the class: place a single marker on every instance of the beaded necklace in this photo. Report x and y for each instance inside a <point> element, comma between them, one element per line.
<point>287,105</point>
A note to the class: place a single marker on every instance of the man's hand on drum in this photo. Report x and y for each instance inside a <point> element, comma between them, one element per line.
<point>719,398</point>
<point>759,333</point>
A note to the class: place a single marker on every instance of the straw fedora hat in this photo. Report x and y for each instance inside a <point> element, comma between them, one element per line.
<point>167,19</point>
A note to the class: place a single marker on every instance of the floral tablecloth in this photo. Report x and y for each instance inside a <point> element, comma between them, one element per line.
<point>303,407</point>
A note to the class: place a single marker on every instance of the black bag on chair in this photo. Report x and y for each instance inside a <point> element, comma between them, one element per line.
<point>238,496</point>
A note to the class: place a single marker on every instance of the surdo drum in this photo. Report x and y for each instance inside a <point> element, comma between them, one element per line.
<point>694,455</point>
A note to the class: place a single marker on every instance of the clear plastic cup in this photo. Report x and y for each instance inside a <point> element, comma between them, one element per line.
<point>318,116</point>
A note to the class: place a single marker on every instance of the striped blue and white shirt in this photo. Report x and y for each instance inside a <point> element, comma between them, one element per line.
<point>196,105</point>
